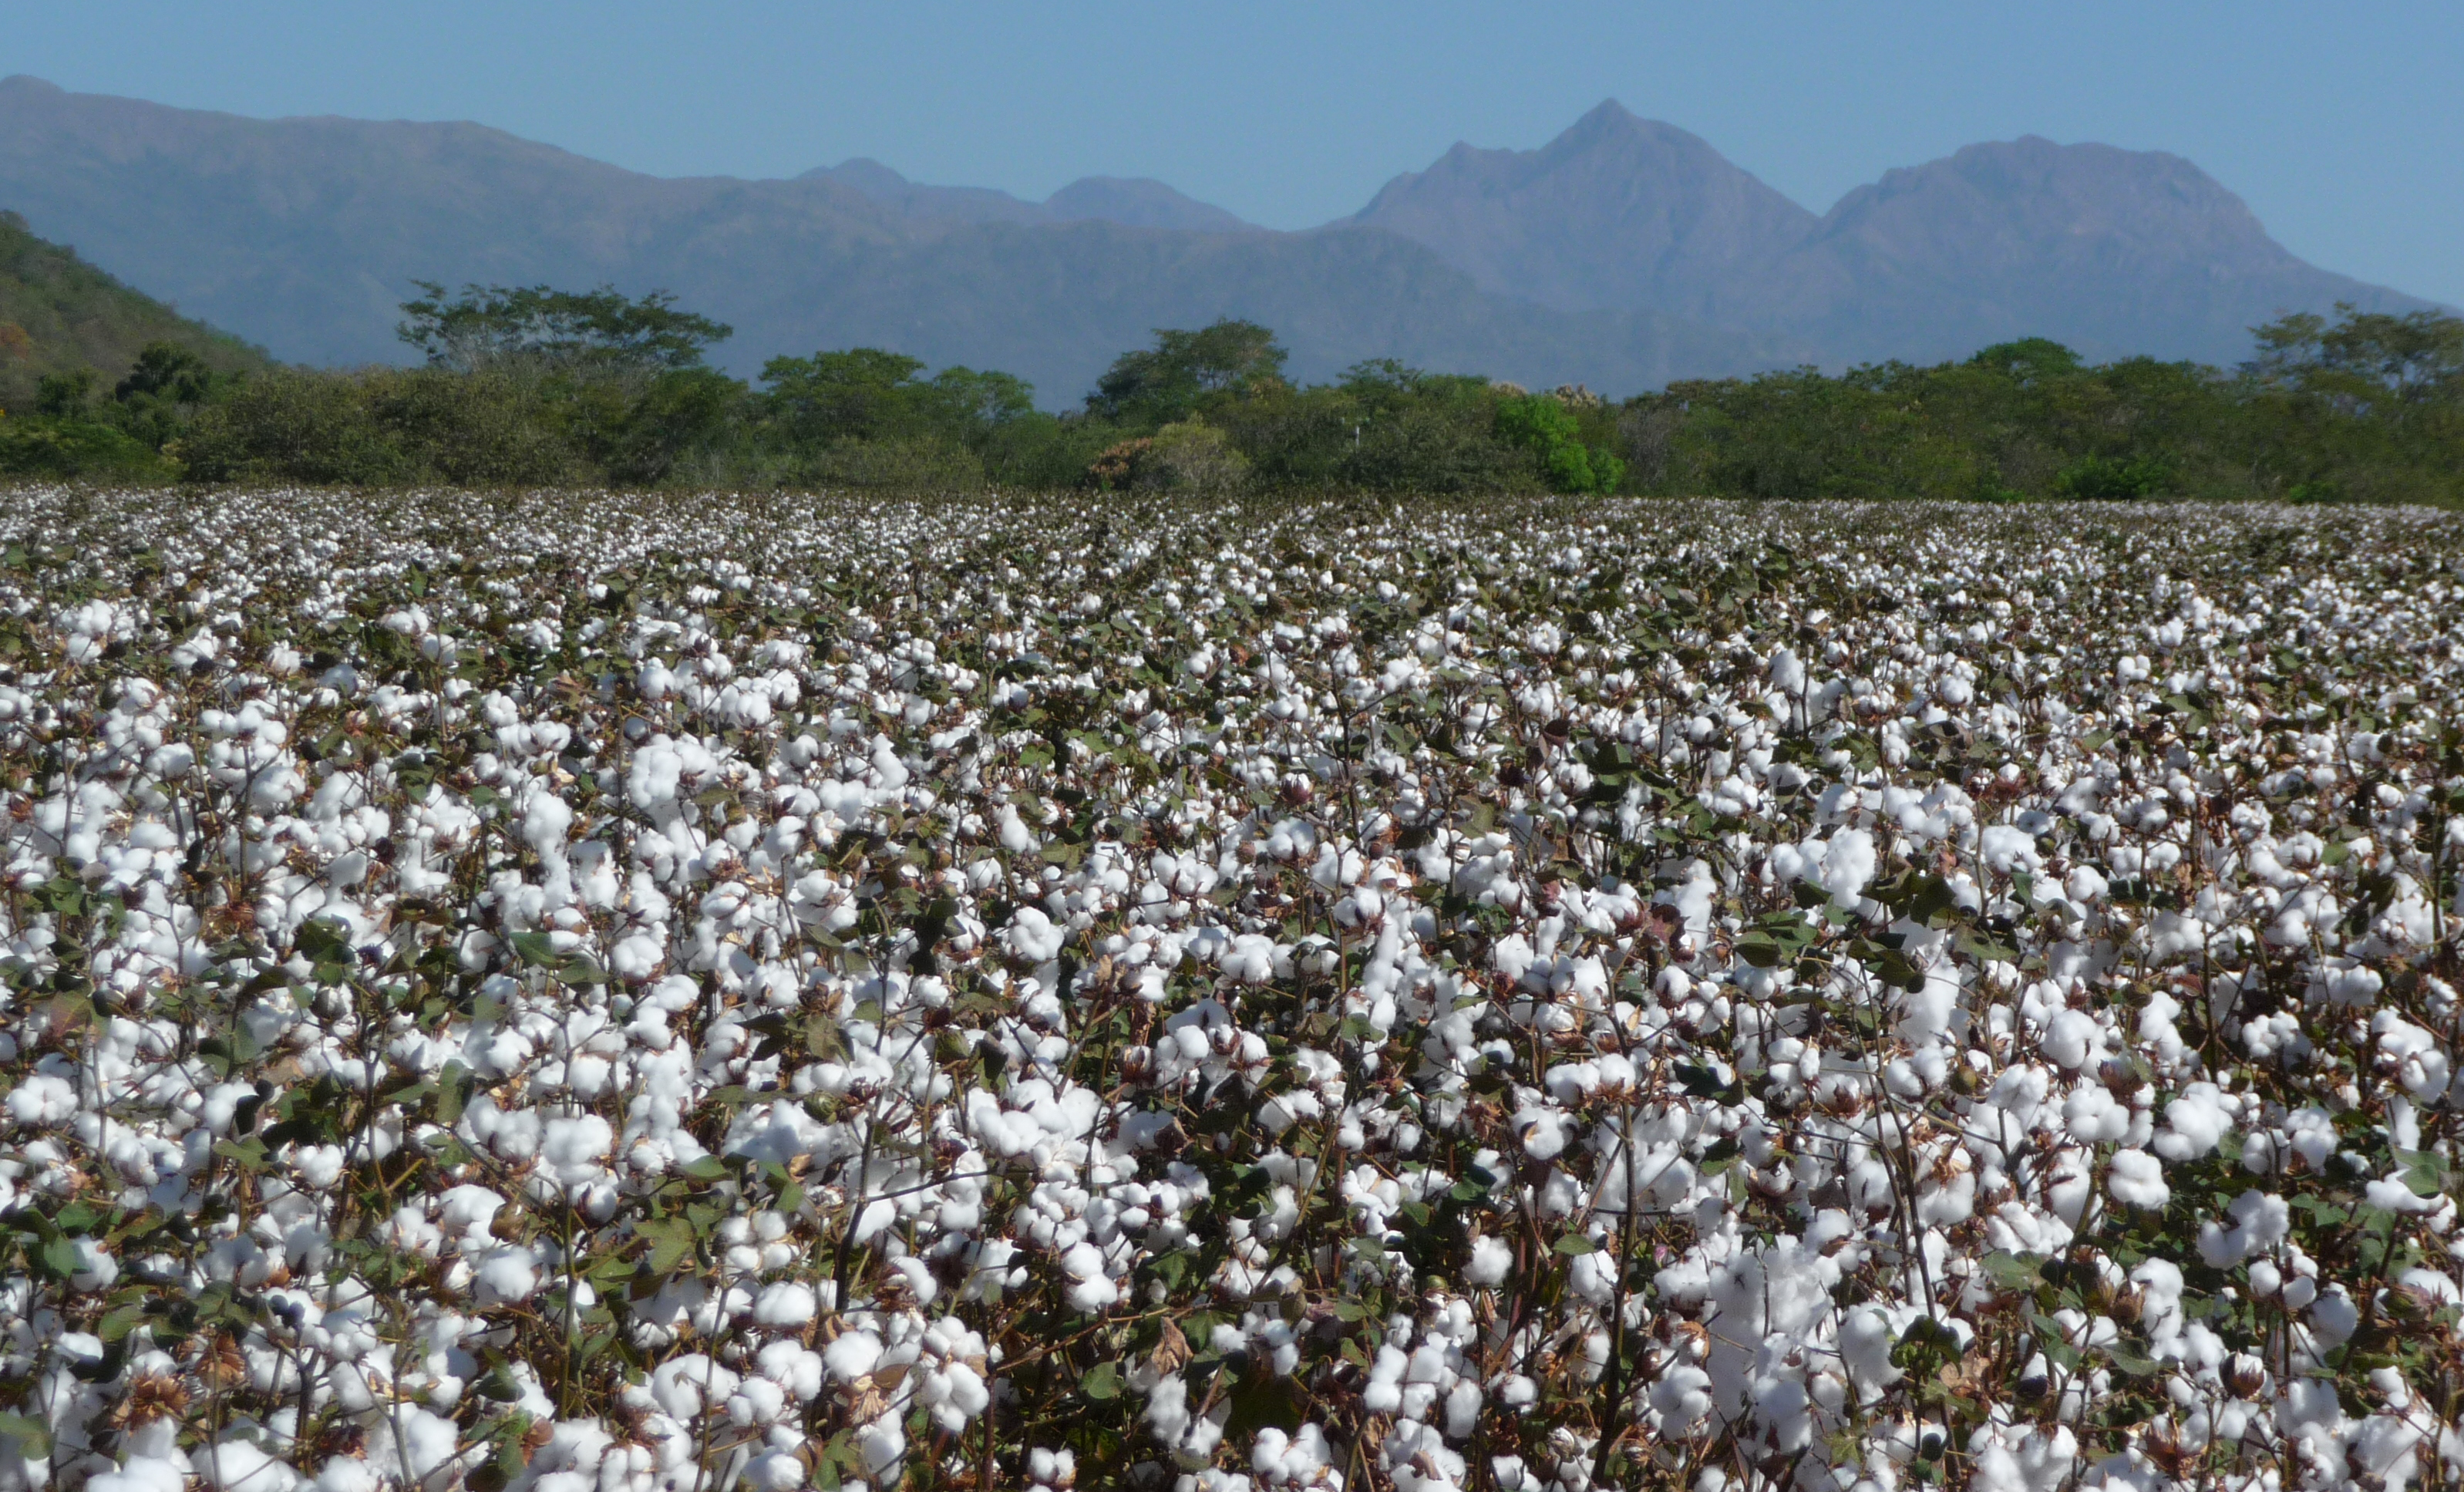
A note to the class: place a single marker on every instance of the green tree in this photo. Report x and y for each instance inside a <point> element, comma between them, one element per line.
<point>167,372</point>
<point>1543,426</point>
<point>1186,372</point>
<point>64,396</point>
<point>494,326</point>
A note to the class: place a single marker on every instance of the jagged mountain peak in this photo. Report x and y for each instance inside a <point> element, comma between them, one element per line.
<point>1617,210</point>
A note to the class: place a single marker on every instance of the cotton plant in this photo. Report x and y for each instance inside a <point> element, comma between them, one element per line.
<point>598,993</point>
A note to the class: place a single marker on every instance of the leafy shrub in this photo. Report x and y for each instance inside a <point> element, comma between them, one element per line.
<point>2104,479</point>
<point>1437,450</point>
<point>294,427</point>
<point>1191,456</point>
<point>62,448</point>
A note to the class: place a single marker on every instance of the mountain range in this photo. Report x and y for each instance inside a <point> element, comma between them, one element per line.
<point>1621,254</point>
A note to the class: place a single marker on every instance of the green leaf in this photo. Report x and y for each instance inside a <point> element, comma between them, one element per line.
<point>536,950</point>
<point>2011,1272</point>
<point>1574,1245</point>
<point>60,1256</point>
<point>32,1437</point>
<point>708,1167</point>
<point>1103,1381</point>
<point>248,1154</point>
<point>672,1240</point>
<point>452,1090</point>
<point>2424,1173</point>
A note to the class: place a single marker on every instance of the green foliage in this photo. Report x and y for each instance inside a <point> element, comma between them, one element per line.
<point>865,394</point>
<point>2363,407</point>
<point>1190,456</point>
<point>492,326</point>
<point>2103,479</point>
<point>1545,426</point>
<point>527,387</point>
<point>64,396</point>
<point>48,446</point>
<point>292,426</point>
<point>1186,372</point>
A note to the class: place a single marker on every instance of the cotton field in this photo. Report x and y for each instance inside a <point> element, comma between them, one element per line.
<point>589,994</point>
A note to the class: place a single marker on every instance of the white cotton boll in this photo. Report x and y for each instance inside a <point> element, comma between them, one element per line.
<point>1251,959</point>
<point>774,1471</point>
<point>2194,1123</point>
<point>504,1276</point>
<point>1490,1261</point>
<point>920,1284</point>
<point>874,1220</point>
<point>786,1305</point>
<point>141,1474</point>
<point>237,1465</point>
<point>1032,936</point>
<point>2071,1036</point>
<point>354,1474</point>
<point>468,1210</point>
<point>795,1366</point>
<point>1681,1395</point>
<point>546,823</point>
<point>684,1385</point>
<point>43,1099</point>
<point>2093,1116</point>
<point>757,1401</point>
<point>2137,1180</point>
<point>573,1147</point>
<point>1848,866</point>
<point>853,1355</point>
<point>1542,1131</point>
<point>320,1166</point>
<point>1865,1342</point>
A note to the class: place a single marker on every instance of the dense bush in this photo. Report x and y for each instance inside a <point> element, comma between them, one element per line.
<point>678,992</point>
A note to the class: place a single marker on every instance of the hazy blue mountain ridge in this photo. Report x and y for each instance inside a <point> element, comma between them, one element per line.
<point>1133,201</point>
<point>1621,254</point>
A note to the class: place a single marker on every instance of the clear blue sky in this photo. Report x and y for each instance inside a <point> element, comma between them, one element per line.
<point>2343,125</point>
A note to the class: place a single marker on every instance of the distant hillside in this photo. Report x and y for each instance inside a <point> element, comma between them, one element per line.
<point>1133,201</point>
<point>1616,212</point>
<point>1621,254</point>
<point>59,313</point>
<point>2113,252</point>
<point>308,232</point>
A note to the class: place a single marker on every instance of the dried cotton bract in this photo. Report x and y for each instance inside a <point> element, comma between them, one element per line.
<point>610,994</point>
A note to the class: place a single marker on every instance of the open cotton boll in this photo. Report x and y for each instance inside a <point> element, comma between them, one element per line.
<point>1490,1261</point>
<point>785,1304</point>
<point>1032,935</point>
<point>2135,1177</point>
<point>1848,866</point>
<point>852,1357</point>
<point>1542,1131</point>
<point>2194,1123</point>
<point>505,1276</point>
<point>238,1465</point>
<point>141,1474</point>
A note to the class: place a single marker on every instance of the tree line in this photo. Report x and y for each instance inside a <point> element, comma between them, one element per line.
<point>524,386</point>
